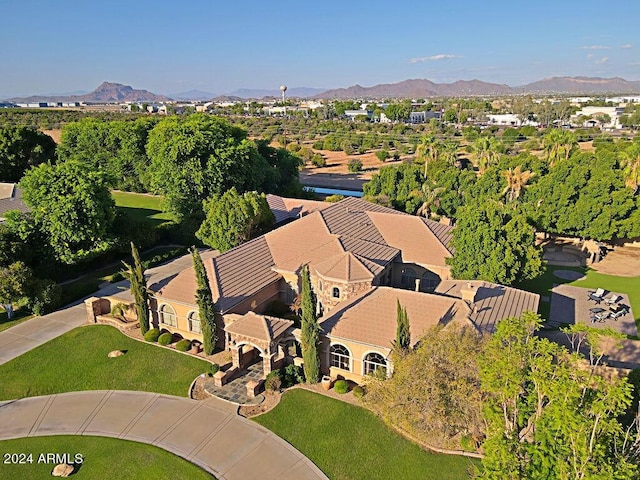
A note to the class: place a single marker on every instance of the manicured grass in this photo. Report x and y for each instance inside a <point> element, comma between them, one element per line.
<point>78,360</point>
<point>349,442</point>
<point>543,284</point>
<point>142,207</point>
<point>102,458</point>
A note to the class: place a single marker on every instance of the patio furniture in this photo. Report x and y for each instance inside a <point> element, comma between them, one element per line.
<point>597,296</point>
<point>618,310</point>
<point>612,299</point>
<point>595,310</point>
<point>602,316</point>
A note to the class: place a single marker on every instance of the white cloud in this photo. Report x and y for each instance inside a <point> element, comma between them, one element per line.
<point>594,47</point>
<point>590,55</point>
<point>626,46</point>
<point>432,58</point>
<point>602,61</point>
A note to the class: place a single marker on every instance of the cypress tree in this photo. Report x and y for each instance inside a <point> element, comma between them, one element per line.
<point>402,343</point>
<point>206,305</point>
<point>139,292</point>
<point>310,335</point>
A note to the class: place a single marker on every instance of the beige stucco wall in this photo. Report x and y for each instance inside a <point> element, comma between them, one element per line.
<point>357,353</point>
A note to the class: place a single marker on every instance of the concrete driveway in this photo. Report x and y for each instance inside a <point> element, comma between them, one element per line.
<point>207,433</point>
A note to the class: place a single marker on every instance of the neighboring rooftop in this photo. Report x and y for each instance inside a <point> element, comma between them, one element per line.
<point>11,199</point>
<point>285,209</point>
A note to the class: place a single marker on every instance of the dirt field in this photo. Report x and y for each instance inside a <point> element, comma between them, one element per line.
<point>55,134</point>
<point>623,261</point>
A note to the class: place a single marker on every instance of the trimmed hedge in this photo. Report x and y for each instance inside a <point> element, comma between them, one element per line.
<point>165,338</point>
<point>358,391</point>
<point>183,345</point>
<point>213,369</point>
<point>341,386</point>
<point>273,382</point>
<point>152,335</point>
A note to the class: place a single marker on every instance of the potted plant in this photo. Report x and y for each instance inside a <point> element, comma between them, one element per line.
<point>326,382</point>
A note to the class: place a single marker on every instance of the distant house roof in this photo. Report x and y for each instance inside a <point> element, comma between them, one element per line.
<point>492,302</point>
<point>370,317</point>
<point>11,199</point>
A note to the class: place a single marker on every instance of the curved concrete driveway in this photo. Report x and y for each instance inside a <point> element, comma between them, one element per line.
<point>207,433</point>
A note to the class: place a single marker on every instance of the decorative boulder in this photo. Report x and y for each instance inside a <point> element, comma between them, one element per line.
<point>62,470</point>
<point>116,353</point>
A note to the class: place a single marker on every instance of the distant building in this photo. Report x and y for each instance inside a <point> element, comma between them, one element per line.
<point>591,117</point>
<point>353,114</point>
<point>11,199</point>
<point>510,120</point>
<point>424,116</point>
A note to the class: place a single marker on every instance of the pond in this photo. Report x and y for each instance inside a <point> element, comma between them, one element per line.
<point>334,191</point>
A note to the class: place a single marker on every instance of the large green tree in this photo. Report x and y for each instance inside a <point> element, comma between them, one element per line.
<point>73,206</point>
<point>310,334</point>
<point>15,280</point>
<point>199,156</point>
<point>549,414</point>
<point>402,342</point>
<point>116,147</point>
<point>232,218</point>
<point>494,243</point>
<point>135,274</point>
<point>206,305</point>
<point>22,148</point>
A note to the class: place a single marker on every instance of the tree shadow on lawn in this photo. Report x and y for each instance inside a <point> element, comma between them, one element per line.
<point>143,215</point>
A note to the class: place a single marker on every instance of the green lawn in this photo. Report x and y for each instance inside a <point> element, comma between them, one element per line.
<point>349,442</point>
<point>142,207</point>
<point>102,458</point>
<point>78,360</point>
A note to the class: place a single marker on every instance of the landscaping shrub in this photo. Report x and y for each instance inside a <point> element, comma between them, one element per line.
<point>183,345</point>
<point>318,160</point>
<point>382,155</point>
<point>358,391</point>
<point>341,386</point>
<point>273,382</point>
<point>292,375</point>
<point>152,335</point>
<point>213,369</point>
<point>47,297</point>
<point>165,338</point>
<point>334,198</point>
<point>354,165</point>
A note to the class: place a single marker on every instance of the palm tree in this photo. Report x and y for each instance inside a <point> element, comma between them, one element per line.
<point>559,144</point>
<point>631,166</point>
<point>430,197</point>
<point>487,152</point>
<point>516,181</point>
<point>428,150</point>
<point>450,152</point>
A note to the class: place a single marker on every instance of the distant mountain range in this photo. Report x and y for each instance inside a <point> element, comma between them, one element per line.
<point>426,88</point>
<point>107,92</point>
<point>417,88</point>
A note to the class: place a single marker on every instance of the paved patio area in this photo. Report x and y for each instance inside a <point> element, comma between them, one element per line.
<point>207,433</point>
<point>571,305</point>
<point>235,391</point>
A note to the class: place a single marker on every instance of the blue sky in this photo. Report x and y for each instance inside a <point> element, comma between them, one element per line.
<point>219,46</point>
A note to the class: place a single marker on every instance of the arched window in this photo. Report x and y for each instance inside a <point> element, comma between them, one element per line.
<point>335,292</point>
<point>373,361</point>
<point>429,281</point>
<point>168,316</point>
<point>340,357</point>
<point>194,322</point>
<point>408,278</point>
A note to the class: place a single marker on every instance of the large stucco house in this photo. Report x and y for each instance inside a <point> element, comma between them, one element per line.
<point>363,259</point>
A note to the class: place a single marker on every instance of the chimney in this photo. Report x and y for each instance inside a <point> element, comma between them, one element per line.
<point>469,292</point>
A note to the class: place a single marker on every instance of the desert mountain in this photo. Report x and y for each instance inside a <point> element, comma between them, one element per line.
<point>418,88</point>
<point>582,85</point>
<point>107,92</point>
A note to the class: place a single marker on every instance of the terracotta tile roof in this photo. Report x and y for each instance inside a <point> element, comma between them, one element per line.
<point>182,286</point>
<point>11,199</point>
<point>371,317</point>
<point>259,327</point>
<point>376,253</point>
<point>413,237</point>
<point>344,267</point>
<point>290,208</point>
<point>349,218</point>
<point>492,302</point>
<point>444,233</point>
<point>241,272</point>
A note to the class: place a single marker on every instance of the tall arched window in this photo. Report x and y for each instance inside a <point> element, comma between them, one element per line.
<point>168,316</point>
<point>373,361</point>
<point>340,357</point>
<point>194,322</point>
<point>429,281</point>
<point>408,278</point>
